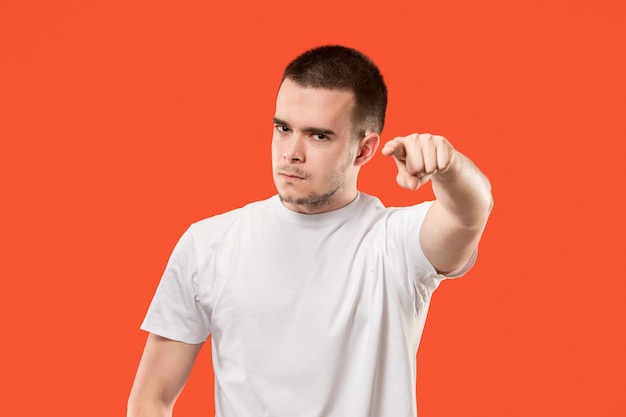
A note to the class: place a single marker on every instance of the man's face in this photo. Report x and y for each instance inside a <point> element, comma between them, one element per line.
<point>313,151</point>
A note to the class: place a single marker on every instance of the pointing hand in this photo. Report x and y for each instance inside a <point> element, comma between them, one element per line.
<point>419,156</point>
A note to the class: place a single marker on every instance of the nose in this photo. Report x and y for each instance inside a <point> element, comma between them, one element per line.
<point>294,149</point>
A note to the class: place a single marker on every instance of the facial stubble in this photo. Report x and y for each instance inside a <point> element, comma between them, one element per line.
<point>315,201</point>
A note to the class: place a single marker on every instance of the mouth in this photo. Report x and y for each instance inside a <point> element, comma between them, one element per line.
<point>291,175</point>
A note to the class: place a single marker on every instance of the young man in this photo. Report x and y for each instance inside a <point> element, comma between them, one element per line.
<point>316,298</point>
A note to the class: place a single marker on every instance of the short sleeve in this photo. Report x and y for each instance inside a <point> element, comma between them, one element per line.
<point>403,228</point>
<point>175,311</point>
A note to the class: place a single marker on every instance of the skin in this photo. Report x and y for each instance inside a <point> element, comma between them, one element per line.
<point>316,159</point>
<point>315,155</point>
<point>163,370</point>
<point>455,222</point>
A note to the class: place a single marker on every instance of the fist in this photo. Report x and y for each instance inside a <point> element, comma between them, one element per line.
<point>419,156</point>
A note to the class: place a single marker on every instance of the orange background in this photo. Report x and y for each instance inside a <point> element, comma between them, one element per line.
<point>124,121</point>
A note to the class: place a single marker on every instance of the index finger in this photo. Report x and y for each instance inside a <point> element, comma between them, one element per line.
<point>394,147</point>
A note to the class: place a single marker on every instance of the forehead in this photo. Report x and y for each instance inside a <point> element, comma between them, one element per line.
<point>314,106</point>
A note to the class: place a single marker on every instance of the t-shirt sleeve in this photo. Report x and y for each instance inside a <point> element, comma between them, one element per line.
<point>176,312</point>
<point>404,225</point>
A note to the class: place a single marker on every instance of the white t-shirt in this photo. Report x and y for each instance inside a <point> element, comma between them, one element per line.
<point>310,315</point>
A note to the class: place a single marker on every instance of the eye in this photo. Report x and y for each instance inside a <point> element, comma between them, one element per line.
<point>282,128</point>
<point>320,136</point>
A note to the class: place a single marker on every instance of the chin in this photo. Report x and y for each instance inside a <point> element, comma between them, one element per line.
<point>289,194</point>
<point>289,198</point>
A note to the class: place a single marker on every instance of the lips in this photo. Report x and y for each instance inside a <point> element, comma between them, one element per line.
<point>293,175</point>
<point>290,176</point>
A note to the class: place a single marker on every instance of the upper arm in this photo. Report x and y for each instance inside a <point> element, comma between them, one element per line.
<point>446,242</point>
<point>163,370</point>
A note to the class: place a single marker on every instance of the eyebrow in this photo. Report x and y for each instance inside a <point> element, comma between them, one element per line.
<point>313,130</point>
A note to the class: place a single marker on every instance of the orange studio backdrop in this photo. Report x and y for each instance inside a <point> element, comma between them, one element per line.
<point>122,122</point>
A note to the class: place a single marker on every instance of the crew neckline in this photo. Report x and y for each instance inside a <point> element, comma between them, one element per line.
<point>316,219</point>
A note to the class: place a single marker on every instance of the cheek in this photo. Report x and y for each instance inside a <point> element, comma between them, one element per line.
<point>347,159</point>
<point>275,149</point>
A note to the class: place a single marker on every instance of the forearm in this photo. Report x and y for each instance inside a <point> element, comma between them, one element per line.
<point>464,193</point>
<point>454,224</point>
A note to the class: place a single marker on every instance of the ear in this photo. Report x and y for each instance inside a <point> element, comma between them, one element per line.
<point>368,145</point>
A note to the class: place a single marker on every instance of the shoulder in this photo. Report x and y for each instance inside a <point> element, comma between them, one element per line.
<point>254,208</point>
<point>413,214</point>
<point>218,225</point>
<point>370,201</point>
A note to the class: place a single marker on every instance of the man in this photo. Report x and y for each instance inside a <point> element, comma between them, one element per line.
<point>316,298</point>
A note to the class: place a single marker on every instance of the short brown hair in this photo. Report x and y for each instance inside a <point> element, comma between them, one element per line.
<point>343,68</point>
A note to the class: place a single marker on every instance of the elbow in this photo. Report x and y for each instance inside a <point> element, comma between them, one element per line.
<point>140,407</point>
<point>134,407</point>
<point>487,199</point>
<point>489,204</point>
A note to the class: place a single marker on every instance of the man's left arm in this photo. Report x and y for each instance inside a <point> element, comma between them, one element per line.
<point>454,223</point>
